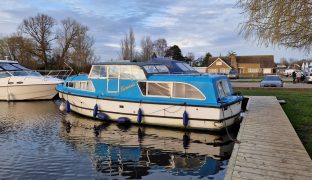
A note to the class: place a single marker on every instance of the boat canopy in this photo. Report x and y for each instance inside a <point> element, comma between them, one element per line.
<point>137,71</point>
<point>175,66</point>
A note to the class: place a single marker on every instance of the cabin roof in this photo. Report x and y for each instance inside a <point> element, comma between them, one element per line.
<point>128,63</point>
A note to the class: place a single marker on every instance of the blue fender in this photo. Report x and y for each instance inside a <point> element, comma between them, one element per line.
<point>67,106</point>
<point>123,120</point>
<point>95,110</point>
<point>185,119</point>
<point>103,116</point>
<point>140,116</point>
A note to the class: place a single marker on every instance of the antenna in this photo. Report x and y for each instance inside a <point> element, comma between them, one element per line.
<point>12,58</point>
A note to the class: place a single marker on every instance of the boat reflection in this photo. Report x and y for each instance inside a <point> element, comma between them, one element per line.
<point>135,152</point>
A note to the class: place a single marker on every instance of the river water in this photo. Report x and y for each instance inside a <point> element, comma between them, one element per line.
<point>37,141</point>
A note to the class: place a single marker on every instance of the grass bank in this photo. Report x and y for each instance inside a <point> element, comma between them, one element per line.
<point>298,109</point>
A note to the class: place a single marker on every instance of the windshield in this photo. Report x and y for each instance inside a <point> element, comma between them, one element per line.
<point>20,67</point>
<point>4,74</point>
<point>272,78</point>
<point>9,67</point>
<point>25,73</point>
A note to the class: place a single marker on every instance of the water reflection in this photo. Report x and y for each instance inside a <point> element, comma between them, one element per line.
<point>136,152</point>
<point>37,141</point>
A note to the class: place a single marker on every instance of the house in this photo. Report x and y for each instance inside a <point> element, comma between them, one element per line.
<point>257,65</point>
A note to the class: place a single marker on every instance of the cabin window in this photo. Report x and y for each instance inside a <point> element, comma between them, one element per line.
<point>223,88</point>
<point>90,86</point>
<point>150,69</point>
<point>81,85</point>
<point>182,66</point>
<point>174,90</point>
<point>70,84</point>
<point>162,69</point>
<point>185,67</point>
<point>182,90</point>
<point>113,71</point>
<point>137,73</point>
<point>158,89</point>
<point>95,72</point>
<point>102,72</point>
<point>4,74</point>
<point>142,86</point>
<point>77,84</point>
<point>125,72</point>
<point>98,72</point>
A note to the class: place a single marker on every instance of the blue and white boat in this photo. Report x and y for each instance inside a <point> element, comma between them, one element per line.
<point>146,93</point>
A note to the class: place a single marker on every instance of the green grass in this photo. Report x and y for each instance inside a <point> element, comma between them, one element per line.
<point>298,109</point>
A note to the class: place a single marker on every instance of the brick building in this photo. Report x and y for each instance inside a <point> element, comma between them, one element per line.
<point>245,65</point>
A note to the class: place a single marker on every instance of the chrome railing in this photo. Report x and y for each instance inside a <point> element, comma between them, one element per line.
<point>60,74</point>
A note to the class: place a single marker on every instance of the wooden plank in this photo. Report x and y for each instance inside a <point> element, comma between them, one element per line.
<point>268,167</point>
<point>268,162</point>
<point>278,149</point>
<point>276,159</point>
<point>270,147</point>
<point>269,174</point>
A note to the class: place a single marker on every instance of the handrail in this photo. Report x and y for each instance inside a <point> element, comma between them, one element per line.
<point>61,74</point>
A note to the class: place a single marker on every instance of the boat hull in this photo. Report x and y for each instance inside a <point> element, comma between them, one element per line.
<point>168,115</point>
<point>27,92</point>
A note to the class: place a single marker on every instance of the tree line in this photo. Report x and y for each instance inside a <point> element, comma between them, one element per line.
<point>151,49</point>
<point>42,43</point>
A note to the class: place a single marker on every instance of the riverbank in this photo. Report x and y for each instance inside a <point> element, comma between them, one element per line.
<point>297,108</point>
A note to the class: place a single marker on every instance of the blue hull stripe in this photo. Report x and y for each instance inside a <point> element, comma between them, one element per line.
<point>170,117</point>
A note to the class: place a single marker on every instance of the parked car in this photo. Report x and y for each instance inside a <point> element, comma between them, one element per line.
<point>272,81</point>
<point>233,74</point>
<point>308,78</point>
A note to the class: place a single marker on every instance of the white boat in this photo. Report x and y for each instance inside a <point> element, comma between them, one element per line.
<point>146,93</point>
<point>20,83</point>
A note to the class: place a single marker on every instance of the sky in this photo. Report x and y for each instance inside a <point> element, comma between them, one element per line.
<point>195,26</point>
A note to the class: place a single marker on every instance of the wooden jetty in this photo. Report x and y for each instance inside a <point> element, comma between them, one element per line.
<point>269,147</point>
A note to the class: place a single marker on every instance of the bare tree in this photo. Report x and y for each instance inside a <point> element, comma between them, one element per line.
<point>131,44</point>
<point>282,22</point>
<point>82,55</point>
<point>190,56</point>
<point>66,36</point>
<point>160,47</point>
<point>124,43</point>
<point>18,48</point>
<point>147,48</point>
<point>39,29</point>
<point>128,46</point>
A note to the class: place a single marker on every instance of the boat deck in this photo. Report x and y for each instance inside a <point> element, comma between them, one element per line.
<point>269,147</point>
